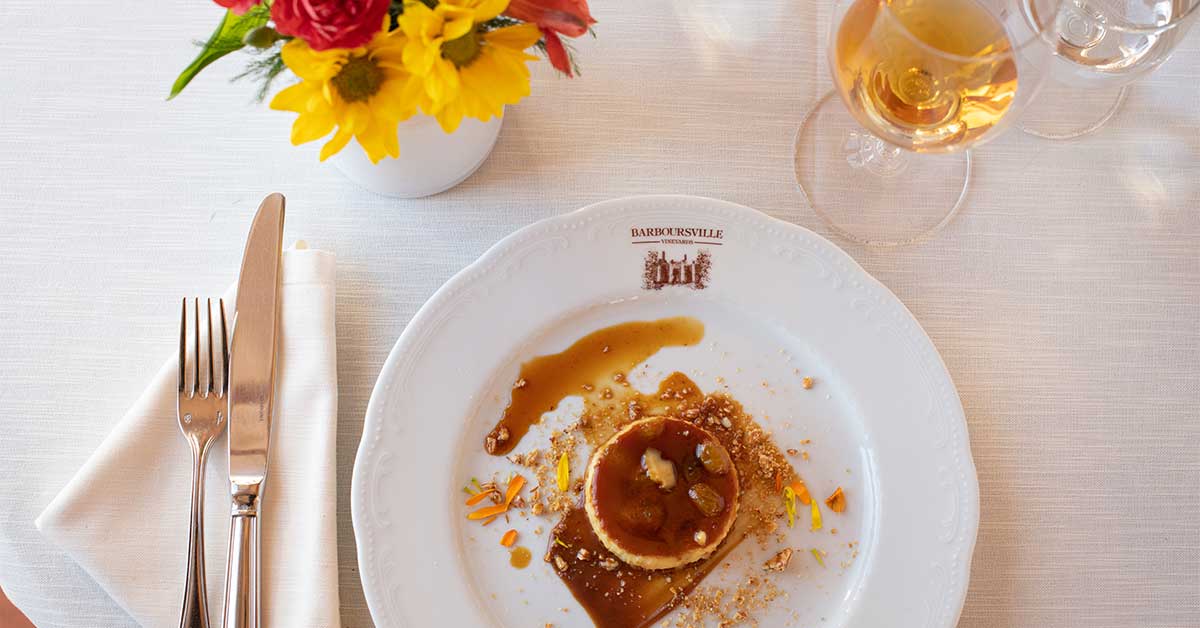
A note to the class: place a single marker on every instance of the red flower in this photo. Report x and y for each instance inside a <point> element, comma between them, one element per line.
<point>557,52</point>
<point>566,17</point>
<point>325,24</point>
<point>554,18</point>
<point>237,6</point>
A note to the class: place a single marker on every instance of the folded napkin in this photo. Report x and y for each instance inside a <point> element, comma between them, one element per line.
<point>124,516</point>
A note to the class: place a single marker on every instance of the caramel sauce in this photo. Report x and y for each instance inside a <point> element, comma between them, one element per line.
<point>625,596</point>
<point>520,557</point>
<point>592,361</point>
<point>615,594</point>
<point>637,514</point>
<point>618,595</point>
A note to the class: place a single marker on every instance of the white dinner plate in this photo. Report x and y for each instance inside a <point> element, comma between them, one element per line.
<point>778,303</point>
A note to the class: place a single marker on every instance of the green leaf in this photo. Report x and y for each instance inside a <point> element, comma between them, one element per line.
<point>225,39</point>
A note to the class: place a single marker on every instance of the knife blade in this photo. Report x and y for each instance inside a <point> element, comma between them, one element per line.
<point>251,402</point>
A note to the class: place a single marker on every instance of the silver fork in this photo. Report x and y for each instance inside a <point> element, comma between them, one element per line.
<point>201,410</point>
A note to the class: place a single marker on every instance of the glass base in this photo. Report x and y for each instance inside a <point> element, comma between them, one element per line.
<point>1063,112</point>
<point>869,191</point>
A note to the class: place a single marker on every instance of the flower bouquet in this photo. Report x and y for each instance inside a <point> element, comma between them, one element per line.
<point>364,66</point>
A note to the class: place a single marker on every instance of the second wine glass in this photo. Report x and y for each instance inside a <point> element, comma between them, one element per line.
<point>913,76</point>
<point>1101,47</point>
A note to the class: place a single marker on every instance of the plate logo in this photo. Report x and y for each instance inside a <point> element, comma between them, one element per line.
<point>660,271</point>
<point>676,261</point>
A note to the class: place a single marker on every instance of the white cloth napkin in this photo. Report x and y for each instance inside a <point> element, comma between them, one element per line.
<point>124,515</point>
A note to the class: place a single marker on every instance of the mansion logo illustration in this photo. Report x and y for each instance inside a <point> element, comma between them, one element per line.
<point>659,271</point>
<point>684,269</point>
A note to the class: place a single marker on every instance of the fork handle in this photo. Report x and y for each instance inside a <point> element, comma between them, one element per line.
<point>241,578</point>
<point>195,604</point>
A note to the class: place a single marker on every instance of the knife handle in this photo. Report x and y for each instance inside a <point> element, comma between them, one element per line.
<point>241,576</point>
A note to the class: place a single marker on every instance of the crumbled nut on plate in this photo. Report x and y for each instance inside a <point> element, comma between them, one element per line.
<point>780,561</point>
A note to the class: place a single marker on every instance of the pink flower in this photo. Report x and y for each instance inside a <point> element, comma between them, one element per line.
<point>325,24</point>
<point>237,6</point>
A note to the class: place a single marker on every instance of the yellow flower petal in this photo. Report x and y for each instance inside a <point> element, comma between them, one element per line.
<point>372,141</point>
<point>519,37</point>
<point>414,18</point>
<point>450,116</point>
<point>311,126</point>
<point>457,27</point>
<point>326,97</point>
<point>294,98</point>
<point>356,117</point>
<point>336,144</point>
<point>310,64</point>
<point>394,101</point>
<point>391,142</point>
<point>442,82</point>
<point>416,57</point>
<point>392,55</point>
<point>489,9</point>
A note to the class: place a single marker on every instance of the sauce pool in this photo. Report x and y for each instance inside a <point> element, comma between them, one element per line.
<point>590,362</point>
<point>520,557</point>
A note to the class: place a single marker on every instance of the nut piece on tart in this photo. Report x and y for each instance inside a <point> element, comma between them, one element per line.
<point>661,493</point>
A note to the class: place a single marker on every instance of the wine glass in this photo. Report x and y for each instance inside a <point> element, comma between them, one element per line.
<point>1101,46</point>
<point>920,82</point>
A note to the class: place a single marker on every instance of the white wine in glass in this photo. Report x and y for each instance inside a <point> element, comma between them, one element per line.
<point>919,76</point>
<point>936,75</point>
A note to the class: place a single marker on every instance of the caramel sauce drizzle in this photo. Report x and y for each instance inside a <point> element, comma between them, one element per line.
<point>546,380</point>
<point>615,594</point>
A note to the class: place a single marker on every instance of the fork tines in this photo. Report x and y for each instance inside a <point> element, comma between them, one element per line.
<point>209,384</point>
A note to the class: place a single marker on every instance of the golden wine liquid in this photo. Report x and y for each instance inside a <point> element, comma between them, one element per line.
<point>928,75</point>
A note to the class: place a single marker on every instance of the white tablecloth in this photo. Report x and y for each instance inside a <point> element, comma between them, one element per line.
<point>1065,299</point>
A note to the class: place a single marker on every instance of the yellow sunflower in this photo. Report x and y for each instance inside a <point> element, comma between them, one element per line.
<point>359,92</point>
<point>466,70</point>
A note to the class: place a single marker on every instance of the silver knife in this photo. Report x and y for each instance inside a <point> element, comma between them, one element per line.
<point>251,397</point>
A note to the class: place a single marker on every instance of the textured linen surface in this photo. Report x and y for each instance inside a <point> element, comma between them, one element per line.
<point>125,501</point>
<point>1065,299</point>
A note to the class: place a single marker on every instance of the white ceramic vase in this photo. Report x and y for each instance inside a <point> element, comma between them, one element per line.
<point>430,161</point>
